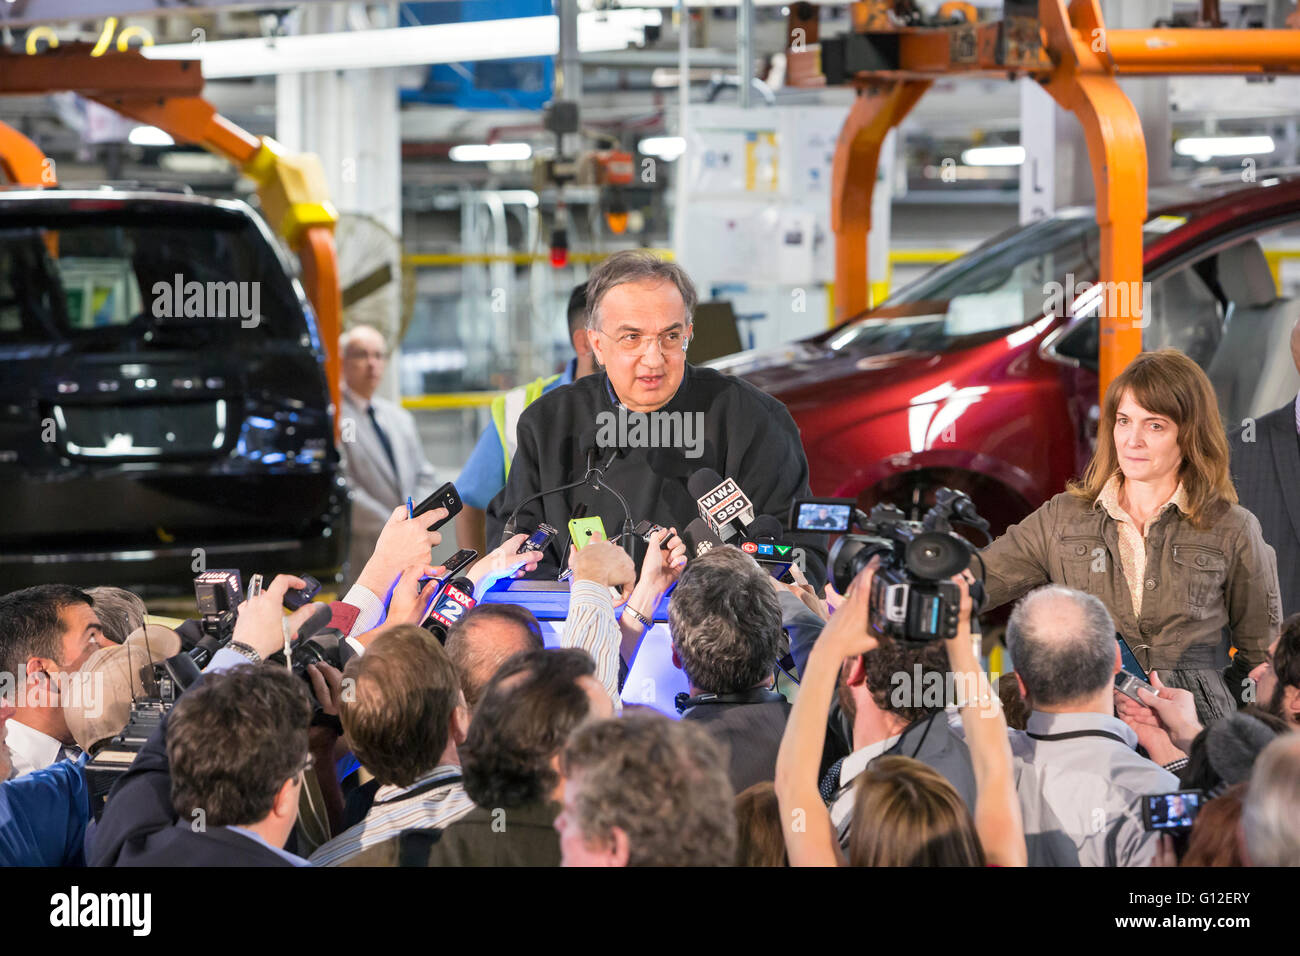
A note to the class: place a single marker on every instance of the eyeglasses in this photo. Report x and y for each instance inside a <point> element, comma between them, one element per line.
<point>634,343</point>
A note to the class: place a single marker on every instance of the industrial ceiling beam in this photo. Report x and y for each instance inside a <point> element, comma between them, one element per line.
<point>1066,46</point>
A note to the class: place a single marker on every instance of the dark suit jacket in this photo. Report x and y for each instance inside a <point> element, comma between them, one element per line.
<point>749,732</point>
<point>1266,472</point>
<point>140,828</point>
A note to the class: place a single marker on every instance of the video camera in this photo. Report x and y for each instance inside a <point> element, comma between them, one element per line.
<point>912,597</point>
<point>218,595</point>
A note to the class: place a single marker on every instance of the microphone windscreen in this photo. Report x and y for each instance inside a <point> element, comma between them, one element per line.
<point>699,538</point>
<point>764,526</point>
<point>702,482</point>
<point>318,620</point>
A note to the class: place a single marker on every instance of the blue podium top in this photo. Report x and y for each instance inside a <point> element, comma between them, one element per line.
<point>548,600</point>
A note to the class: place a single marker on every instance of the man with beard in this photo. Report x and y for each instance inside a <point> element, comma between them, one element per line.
<point>1277,680</point>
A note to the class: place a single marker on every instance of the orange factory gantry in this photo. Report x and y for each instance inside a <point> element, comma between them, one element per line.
<point>167,94</point>
<point>1064,45</point>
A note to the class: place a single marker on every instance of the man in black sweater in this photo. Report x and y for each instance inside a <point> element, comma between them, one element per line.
<point>657,417</point>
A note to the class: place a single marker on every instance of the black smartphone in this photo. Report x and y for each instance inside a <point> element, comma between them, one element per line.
<point>459,562</point>
<point>538,540</point>
<point>445,497</point>
<point>295,598</point>
<point>1171,811</point>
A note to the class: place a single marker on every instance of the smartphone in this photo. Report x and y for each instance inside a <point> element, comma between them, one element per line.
<point>459,561</point>
<point>1126,659</point>
<point>295,598</point>
<point>1128,685</point>
<point>445,497</point>
<point>538,540</point>
<point>1171,811</point>
<point>822,514</point>
<point>583,531</point>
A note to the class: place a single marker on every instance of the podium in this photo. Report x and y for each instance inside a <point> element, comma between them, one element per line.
<point>652,681</point>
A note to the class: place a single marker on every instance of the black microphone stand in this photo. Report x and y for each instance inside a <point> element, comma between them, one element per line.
<point>626,537</point>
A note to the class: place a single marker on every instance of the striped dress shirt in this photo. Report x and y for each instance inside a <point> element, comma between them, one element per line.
<point>592,626</point>
<point>424,805</point>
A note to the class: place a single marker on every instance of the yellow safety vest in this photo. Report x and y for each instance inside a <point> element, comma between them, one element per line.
<point>506,410</point>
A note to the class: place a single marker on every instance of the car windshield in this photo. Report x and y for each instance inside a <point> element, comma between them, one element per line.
<point>1003,284</point>
<point>182,277</point>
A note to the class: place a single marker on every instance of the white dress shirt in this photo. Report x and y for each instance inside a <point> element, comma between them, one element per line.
<point>31,750</point>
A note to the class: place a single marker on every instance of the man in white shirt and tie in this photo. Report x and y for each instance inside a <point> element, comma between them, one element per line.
<point>382,456</point>
<point>47,633</point>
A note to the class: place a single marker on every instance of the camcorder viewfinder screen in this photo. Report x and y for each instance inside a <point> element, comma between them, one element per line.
<point>1172,811</point>
<point>820,516</point>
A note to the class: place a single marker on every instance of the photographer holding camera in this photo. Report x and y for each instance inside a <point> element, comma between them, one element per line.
<point>218,783</point>
<point>904,813</point>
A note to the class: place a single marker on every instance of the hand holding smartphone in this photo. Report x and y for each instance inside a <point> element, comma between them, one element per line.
<point>445,497</point>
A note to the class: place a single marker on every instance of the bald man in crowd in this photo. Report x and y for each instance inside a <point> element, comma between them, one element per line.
<point>382,457</point>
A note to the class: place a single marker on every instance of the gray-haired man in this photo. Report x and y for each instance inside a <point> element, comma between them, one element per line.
<point>656,417</point>
<point>1078,773</point>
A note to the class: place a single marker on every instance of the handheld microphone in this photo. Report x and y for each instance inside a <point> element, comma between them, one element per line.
<point>318,621</point>
<point>457,598</point>
<point>721,502</point>
<point>699,538</point>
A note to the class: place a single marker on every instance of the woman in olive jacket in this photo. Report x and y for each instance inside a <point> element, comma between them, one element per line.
<point>1154,530</point>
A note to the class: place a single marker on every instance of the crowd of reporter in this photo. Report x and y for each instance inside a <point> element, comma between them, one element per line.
<point>491,749</point>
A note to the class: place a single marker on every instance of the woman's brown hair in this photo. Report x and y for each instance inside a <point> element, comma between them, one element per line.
<point>906,814</point>
<point>1168,383</point>
<point>758,825</point>
<point>1215,838</point>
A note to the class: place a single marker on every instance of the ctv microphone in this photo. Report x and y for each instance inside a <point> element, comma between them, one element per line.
<point>721,502</point>
<point>762,542</point>
<point>457,598</point>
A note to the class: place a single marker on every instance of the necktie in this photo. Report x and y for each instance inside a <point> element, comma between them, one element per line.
<point>383,440</point>
<point>830,783</point>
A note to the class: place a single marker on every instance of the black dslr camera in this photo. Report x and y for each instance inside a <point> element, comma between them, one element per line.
<point>912,598</point>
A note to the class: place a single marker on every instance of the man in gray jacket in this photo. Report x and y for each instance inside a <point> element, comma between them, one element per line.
<point>1080,778</point>
<point>382,457</point>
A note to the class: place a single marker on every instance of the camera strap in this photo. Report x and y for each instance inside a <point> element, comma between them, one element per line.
<point>755,695</point>
<point>1078,733</point>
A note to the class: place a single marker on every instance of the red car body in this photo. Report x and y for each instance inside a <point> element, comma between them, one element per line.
<point>997,414</point>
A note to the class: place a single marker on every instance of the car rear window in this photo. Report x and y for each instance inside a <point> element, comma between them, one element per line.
<point>173,278</point>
